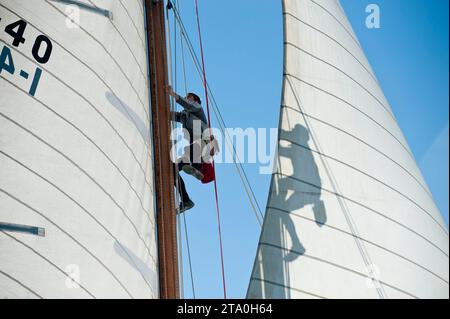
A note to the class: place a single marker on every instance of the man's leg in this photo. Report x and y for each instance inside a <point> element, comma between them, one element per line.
<point>195,165</point>
<point>186,202</point>
<point>181,186</point>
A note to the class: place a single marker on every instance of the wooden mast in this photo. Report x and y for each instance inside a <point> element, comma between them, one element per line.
<point>164,180</point>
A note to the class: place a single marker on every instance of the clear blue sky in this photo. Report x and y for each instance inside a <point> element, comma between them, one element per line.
<point>243,47</point>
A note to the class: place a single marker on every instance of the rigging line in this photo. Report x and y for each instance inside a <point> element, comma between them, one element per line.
<point>351,223</point>
<point>218,114</point>
<point>172,100</point>
<point>173,104</point>
<point>175,53</point>
<point>179,221</point>
<point>184,65</point>
<point>184,215</point>
<point>189,255</point>
<point>180,258</point>
<point>238,164</point>
<point>243,176</point>
<point>173,81</point>
<point>210,137</point>
<point>176,171</point>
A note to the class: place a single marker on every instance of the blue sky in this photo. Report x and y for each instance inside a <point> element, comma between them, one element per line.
<point>243,48</point>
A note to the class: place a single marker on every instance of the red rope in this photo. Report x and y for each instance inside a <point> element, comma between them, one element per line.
<point>214,166</point>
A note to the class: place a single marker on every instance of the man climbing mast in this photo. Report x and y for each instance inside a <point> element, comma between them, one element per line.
<point>195,126</point>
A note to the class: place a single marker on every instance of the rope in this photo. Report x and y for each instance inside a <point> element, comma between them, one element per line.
<point>213,165</point>
<point>184,215</point>
<point>238,164</point>
<point>189,255</point>
<point>183,60</point>
<point>180,258</point>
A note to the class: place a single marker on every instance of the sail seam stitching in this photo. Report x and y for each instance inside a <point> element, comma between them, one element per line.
<point>70,236</point>
<point>342,203</point>
<point>354,107</point>
<point>338,266</point>
<point>82,62</point>
<point>285,286</point>
<point>100,43</point>
<point>373,95</point>
<point>91,141</point>
<point>363,142</point>
<point>107,53</point>
<point>140,5</point>
<point>363,173</point>
<point>84,172</point>
<point>141,43</point>
<point>338,43</point>
<point>362,238</point>
<point>134,24</point>
<point>47,260</point>
<point>20,283</point>
<point>81,207</point>
<point>95,109</point>
<point>367,207</point>
<point>92,70</point>
<point>339,22</point>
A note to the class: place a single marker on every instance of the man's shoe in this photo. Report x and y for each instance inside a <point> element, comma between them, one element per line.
<point>189,169</point>
<point>185,206</point>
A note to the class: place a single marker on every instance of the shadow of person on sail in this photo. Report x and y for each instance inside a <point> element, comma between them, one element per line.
<point>283,221</point>
<point>306,188</point>
<point>296,186</point>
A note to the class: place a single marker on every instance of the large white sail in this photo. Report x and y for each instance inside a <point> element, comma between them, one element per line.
<point>349,214</point>
<point>77,213</point>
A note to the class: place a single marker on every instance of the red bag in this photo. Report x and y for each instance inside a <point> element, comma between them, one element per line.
<point>208,173</point>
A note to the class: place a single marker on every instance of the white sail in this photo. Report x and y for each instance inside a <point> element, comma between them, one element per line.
<point>349,214</point>
<point>75,152</point>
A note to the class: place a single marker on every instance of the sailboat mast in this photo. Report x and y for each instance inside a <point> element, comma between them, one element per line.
<point>164,186</point>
